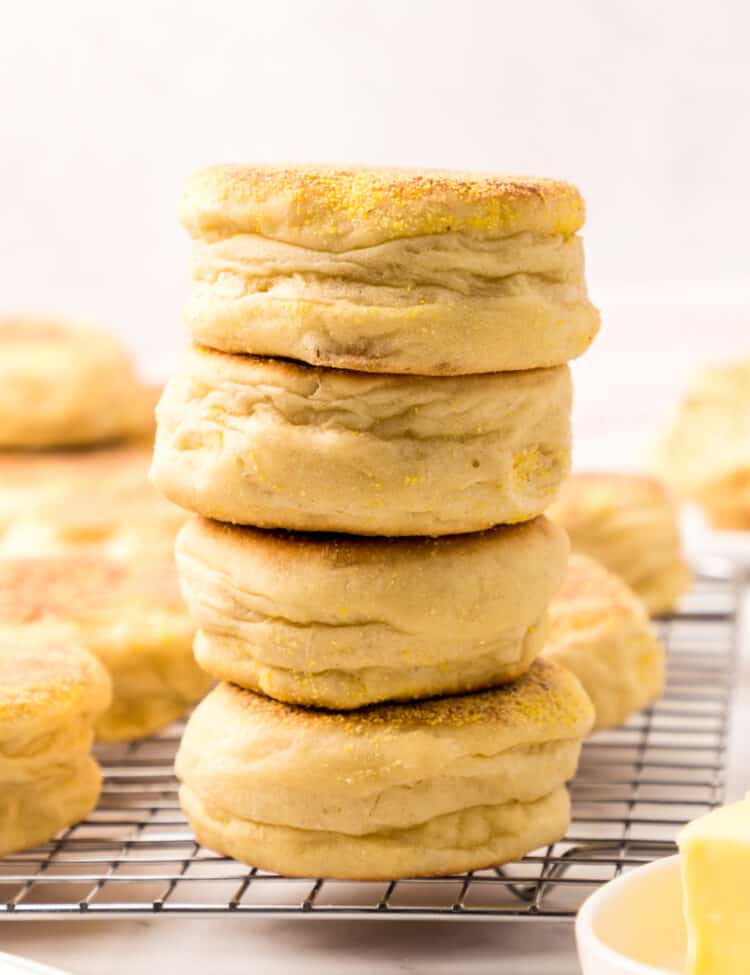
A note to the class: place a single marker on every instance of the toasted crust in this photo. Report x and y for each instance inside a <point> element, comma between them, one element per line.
<point>545,704</point>
<point>46,677</point>
<point>340,207</point>
<point>322,552</point>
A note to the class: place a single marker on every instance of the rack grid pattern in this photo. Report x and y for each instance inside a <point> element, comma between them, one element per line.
<point>135,855</point>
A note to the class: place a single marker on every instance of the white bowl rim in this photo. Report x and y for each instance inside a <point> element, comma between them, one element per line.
<point>586,935</point>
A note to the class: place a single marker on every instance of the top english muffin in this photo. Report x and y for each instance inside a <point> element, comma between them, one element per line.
<point>388,270</point>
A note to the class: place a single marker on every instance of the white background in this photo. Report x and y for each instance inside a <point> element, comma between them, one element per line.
<point>106,108</point>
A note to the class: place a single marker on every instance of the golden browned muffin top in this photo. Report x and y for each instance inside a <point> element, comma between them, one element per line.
<point>546,695</point>
<point>44,673</point>
<point>70,587</point>
<point>339,207</point>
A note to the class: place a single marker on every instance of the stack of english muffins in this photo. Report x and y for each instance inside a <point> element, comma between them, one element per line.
<point>369,425</point>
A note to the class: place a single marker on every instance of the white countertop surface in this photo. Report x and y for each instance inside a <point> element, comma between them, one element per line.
<point>314,947</point>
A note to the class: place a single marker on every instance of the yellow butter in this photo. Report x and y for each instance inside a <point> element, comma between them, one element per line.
<point>715,853</point>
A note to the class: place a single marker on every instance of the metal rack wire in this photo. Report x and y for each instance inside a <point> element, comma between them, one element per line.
<point>135,855</point>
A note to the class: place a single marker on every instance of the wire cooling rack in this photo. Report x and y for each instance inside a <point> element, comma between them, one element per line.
<point>135,855</point>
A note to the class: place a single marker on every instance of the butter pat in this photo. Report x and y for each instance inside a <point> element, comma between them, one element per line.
<point>715,853</point>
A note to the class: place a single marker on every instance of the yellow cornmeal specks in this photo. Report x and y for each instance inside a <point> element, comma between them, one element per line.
<point>378,204</point>
<point>20,700</point>
<point>40,667</point>
<point>543,695</point>
<point>412,385</point>
<point>526,464</point>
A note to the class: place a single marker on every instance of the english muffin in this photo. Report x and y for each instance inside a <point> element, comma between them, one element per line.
<point>436,787</point>
<point>96,501</point>
<point>629,523</point>
<point>340,621</point>
<point>51,693</point>
<point>705,453</point>
<point>388,270</point>
<point>284,445</point>
<point>600,630</point>
<point>62,385</point>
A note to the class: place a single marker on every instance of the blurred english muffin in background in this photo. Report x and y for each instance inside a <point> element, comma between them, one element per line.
<point>388,270</point>
<point>341,621</point>
<point>426,788</point>
<point>630,524</point>
<point>129,615</point>
<point>51,693</point>
<point>274,443</point>
<point>599,629</point>
<point>95,500</point>
<point>87,501</point>
<point>64,385</point>
<point>704,454</point>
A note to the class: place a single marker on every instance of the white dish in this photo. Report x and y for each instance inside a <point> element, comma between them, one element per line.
<point>634,925</point>
<point>13,965</point>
